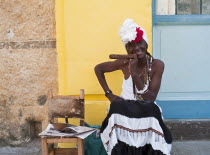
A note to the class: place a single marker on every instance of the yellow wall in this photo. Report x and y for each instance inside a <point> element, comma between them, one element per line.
<point>60,46</point>
<point>87,32</point>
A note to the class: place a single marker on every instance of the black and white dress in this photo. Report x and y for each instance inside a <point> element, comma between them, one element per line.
<point>134,127</point>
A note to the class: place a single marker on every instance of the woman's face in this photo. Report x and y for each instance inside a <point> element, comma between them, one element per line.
<point>139,48</point>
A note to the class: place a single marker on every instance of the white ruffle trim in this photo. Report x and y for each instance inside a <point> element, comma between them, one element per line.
<point>134,139</point>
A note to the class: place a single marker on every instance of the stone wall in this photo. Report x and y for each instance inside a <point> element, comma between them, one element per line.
<point>28,67</point>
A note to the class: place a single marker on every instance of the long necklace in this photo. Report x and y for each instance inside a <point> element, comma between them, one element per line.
<point>137,94</point>
<point>143,70</point>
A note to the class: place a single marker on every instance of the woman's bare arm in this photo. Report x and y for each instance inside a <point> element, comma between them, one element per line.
<point>105,67</point>
<point>155,83</point>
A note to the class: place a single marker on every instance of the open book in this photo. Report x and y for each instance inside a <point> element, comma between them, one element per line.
<point>70,131</point>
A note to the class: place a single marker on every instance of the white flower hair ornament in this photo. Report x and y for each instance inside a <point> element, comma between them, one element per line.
<point>131,32</point>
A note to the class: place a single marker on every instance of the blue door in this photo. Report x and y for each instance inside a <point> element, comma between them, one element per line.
<point>182,42</point>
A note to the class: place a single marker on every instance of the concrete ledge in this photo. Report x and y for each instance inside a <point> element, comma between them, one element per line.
<point>189,129</point>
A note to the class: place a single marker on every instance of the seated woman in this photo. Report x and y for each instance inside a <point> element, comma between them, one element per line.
<point>134,124</point>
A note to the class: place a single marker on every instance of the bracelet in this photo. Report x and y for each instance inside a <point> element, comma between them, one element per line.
<point>107,92</point>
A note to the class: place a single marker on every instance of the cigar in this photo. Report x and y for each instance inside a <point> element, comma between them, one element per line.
<point>120,56</point>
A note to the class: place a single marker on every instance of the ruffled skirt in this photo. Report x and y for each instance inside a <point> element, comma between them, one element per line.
<point>135,128</point>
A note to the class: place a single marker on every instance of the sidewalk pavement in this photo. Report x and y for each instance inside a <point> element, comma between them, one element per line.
<point>191,148</point>
<point>178,148</point>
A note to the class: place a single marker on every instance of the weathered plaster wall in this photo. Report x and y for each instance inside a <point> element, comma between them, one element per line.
<point>28,66</point>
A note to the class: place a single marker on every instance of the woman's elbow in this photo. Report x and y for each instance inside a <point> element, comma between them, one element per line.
<point>98,69</point>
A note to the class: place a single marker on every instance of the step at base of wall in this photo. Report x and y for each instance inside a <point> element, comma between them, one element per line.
<point>189,129</point>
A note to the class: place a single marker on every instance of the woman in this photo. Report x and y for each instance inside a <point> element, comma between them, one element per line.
<point>134,124</point>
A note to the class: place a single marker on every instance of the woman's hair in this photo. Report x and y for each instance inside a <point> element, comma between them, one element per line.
<point>147,53</point>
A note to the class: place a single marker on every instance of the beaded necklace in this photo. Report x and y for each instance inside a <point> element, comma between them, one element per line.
<point>147,79</point>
